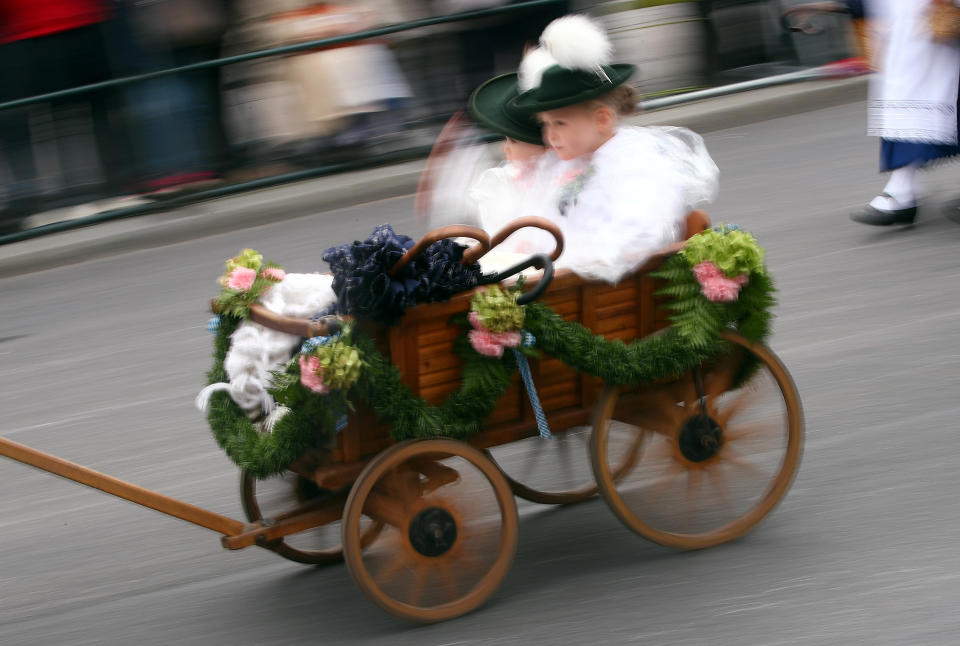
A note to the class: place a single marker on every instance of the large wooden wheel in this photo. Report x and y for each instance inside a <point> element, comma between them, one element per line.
<point>449,529</point>
<point>556,471</point>
<point>284,495</point>
<point>720,447</point>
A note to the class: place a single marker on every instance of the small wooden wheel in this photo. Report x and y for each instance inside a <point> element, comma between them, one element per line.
<point>282,494</point>
<point>449,529</point>
<point>721,446</point>
<point>556,471</point>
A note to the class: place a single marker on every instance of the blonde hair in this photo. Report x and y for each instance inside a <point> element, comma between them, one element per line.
<point>621,99</point>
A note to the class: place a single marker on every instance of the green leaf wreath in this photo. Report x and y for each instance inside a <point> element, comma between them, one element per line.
<point>693,338</point>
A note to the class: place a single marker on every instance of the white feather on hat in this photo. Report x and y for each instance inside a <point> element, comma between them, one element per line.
<point>532,67</point>
<point>577,43</point>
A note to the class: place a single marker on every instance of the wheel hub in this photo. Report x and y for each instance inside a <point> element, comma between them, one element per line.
<point>700,438</point>
<point>433,531</point>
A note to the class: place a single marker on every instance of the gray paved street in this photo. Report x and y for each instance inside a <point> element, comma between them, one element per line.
<point>100,362</point>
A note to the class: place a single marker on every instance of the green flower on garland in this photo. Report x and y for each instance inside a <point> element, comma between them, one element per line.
<point>331,365</point>
<point>732,250</point>
<point>245,279</point>
<point>717,280</point>
<point>497,310</point>
<point>248,259</point>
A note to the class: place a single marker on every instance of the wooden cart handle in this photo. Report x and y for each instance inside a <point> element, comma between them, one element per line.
<point>450,231</point>
<point>305,328</point>
<point>530,221</point>
<point>302,327</point>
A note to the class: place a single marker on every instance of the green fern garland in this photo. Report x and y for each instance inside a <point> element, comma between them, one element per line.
<point>693,338</point>
<point>308,423</point>
<point>485,380</point>
<point>697,319</point>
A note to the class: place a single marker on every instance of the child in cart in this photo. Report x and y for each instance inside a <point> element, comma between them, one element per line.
<point>618,193</point>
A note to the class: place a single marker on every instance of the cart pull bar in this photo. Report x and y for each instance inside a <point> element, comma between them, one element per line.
<point>120,488</point>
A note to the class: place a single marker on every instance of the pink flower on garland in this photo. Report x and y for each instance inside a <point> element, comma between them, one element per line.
<point>241,278</point>
<point>311,374</point>
<point>487,343</point>
<point>706,270</point>
<point>715,286</point>
<point>274,273</point>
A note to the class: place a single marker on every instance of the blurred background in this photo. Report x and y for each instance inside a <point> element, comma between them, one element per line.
<point>141,142</point>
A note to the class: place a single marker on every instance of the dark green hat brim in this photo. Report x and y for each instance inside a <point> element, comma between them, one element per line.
<point>489,106</point>
<point>561,87</point>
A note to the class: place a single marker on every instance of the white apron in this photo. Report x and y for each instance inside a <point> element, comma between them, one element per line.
<point>914,97</point>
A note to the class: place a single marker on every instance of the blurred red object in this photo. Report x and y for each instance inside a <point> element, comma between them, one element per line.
<point>20,19</point>
<point>855,66</point>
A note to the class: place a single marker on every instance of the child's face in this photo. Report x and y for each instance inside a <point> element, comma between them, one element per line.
<point>518,151</point>
<point>574,130</point>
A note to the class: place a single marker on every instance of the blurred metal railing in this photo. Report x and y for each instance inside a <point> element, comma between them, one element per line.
<point>248,185</point>
<point>332,168</point>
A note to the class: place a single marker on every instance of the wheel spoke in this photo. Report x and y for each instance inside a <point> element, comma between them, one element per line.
<point>660,450</point>
<point>659,486</point>
<point>392,568</point>
<point>450,585</point>
<point>743,431</point>
<point>735,405</point>
<point>731,455</point>
<point>694,482</point>
<point>467,564</point>
<point>632,457</point>
<point>417,584</point>
<point>718,484</point>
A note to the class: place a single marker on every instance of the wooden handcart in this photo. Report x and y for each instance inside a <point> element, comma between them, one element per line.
<point>428,528</point>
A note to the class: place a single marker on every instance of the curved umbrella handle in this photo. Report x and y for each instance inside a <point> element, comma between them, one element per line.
<point>539,261</point>
<point>449,231</point>
<point>530,221</point>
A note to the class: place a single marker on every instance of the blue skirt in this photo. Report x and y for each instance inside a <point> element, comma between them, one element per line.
<point>897,154</point>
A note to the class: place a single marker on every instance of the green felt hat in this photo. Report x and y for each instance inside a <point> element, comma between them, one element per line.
<point>560,87</point>
<point>489,105</point>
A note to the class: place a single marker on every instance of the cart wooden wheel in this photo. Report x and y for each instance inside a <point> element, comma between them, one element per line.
<point>557,471</point>
<point>282,494</point>
<point>721,446</point>
<point>449,529</point>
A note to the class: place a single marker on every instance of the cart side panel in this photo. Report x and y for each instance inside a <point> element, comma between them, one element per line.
<point>422,349</point>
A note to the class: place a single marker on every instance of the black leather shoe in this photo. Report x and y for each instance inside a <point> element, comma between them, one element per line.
<point>878,218</point>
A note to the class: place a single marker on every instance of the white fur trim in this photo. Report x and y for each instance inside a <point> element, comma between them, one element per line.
<point>532,67</point>
<point>255,350</point>
<point>577,43</point>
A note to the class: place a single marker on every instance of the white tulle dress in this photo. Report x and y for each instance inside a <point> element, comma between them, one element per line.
<point>615,207</point>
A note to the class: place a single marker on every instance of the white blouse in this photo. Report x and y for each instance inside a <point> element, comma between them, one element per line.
<point>615,207</point>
